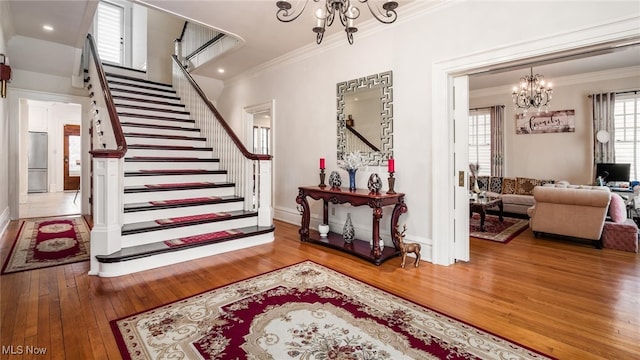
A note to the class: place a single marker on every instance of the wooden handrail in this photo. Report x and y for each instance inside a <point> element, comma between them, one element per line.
<point>121,143</point>
<point>362,138</point>
<point>204,46</point>
<point>184,29</point>
<point>225,126</point>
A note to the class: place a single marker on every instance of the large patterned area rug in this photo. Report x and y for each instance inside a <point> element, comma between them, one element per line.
<point>304,311</point>
<point>48,242</point>
<point>496,230</point>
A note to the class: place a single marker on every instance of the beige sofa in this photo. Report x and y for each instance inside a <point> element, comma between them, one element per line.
<point>516,192</point>
<point>570,210</point>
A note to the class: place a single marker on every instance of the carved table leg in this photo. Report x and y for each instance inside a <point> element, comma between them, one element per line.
<point>306,216</point>
<point>377,214</point>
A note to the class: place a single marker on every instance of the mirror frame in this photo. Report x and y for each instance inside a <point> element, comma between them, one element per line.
<point>385,81</point>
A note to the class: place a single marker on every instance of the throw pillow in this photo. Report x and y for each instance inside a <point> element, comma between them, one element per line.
<point>508,185</point>
<point>524,186</point>
<point>617,209</point>
<point>495,184</point>
<point>483,183</point>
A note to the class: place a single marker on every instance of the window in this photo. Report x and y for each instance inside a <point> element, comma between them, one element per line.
<point>627,132</point>
<point>110,32</point>
<point>260,140</point>
<point>480,140</point>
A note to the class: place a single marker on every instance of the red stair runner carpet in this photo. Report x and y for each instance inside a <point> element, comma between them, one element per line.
<point>172,185</point>
<point>174,170</point>
<point>184,201</point>
<point>189,218</point>
<point>201,238</point>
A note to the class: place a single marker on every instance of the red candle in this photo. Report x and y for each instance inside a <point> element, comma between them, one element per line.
<point>321,163</point>
<point>392,165</point>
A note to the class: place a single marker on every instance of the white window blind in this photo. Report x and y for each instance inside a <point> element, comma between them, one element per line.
<point>110,32</point>
<point>480,140</point>
<point>627,132</point>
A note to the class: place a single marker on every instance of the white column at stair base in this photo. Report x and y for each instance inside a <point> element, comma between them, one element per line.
<point>265,210</point>
<point>174,257</point>
<point>106,235</point>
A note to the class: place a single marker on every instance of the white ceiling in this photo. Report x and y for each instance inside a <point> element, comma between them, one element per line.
<point>264,38</point>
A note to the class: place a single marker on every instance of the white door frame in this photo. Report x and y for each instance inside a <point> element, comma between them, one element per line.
<point>443,72</point>
<point>247,132</point>
<point>460,166</point>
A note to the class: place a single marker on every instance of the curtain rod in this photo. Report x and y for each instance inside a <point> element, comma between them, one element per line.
<point>620,92</point>
<point>486,107</point>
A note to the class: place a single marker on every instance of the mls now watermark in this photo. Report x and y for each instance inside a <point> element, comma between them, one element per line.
<point>23,350</point>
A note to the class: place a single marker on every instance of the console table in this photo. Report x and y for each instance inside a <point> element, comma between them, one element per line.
<point>359,197</point>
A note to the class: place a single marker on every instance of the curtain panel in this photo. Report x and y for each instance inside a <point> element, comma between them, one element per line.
<point>497,140</point>
<point>603,108</point>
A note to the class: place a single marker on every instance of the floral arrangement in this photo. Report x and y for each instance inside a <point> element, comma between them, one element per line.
<point>474,168</point>
<point>352,161</point>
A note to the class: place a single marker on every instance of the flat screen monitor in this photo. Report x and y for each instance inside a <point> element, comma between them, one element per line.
<point>614,172</point>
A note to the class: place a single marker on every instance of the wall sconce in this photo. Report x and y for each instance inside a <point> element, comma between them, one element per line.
<point>5,76</point>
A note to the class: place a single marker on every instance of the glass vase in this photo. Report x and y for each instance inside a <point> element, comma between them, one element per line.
<point>348,232</point>
<point>352,179</point>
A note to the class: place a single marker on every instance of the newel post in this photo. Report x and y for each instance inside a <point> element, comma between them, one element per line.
<point>265,210</point>
<point>106,236</point>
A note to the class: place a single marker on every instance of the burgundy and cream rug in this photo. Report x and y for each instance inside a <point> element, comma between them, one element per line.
<point>496,230</point>
<point>304,311</point>
<point>48,242</point>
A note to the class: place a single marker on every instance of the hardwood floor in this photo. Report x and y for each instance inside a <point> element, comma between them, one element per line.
<point>564,299</point>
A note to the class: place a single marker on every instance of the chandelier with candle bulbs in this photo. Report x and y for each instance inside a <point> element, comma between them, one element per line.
<point>533,92</point>
<point>343,9</point>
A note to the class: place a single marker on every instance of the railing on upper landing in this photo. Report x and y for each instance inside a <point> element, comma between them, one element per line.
<point>108,148</point>
<point>250,172</point>
<point>199,44</point>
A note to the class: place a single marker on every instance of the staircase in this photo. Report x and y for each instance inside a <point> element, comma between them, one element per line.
<point>178,203</point>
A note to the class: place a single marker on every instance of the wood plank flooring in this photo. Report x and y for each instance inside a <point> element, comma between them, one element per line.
<point>564,299</point>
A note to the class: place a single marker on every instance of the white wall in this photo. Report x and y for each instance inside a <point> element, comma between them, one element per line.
<point>162,30</point>
<point>4,146</point>
<point>559,156</point>
<point>304,90</point>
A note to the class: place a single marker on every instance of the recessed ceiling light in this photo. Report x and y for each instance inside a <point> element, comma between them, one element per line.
<point>47,27</point>
<point>221,70</point>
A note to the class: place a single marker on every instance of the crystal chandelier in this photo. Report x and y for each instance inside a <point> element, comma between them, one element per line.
<point>532,92</point>
<point>347,13</point>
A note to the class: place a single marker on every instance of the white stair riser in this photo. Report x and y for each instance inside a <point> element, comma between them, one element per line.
<point>162,122</point>
<point>170,165</point>
<point>171,179</point>
<point>139,83</point>
<point>121,109</point>
<point>164,152</point>
<point>152,215</point>
<point>176,194</point>
<point>149,91</point>
<point>175,257</point>
<point>155,131</point>
<point>118,92</point>
<point>179,232</point>
<point>136,102</point>
<point>132,139</point>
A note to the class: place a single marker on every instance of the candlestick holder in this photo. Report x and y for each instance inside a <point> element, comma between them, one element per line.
<point>392,182</point>
<point>322,184</point>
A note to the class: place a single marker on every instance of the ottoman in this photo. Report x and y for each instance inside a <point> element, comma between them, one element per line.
<point>620,236</point>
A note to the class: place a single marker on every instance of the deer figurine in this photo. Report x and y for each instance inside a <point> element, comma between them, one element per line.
<point>407,247</point>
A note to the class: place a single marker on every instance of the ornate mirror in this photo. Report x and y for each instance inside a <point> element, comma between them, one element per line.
<point>365,117</point>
